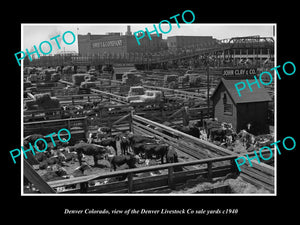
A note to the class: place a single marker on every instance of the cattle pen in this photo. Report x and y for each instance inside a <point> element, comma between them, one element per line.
<point>208,161</point>
<point>205,159</point>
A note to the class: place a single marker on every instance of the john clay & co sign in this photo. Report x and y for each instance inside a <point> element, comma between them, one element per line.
<point>239,72</point>
<point>105,44</point>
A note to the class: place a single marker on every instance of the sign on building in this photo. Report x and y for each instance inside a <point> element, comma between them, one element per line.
<point>105,44</point>
<point>239,72</point>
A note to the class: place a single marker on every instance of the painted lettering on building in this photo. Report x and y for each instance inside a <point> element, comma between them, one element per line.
<point>105,44</point>
<point>239,72</point>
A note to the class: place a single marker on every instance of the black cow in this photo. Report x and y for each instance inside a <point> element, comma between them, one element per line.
<point>134,139</point>
<point>97,151</point>
<point>158,150</point>
<point>120,160</point>
<point>108,142</point>
<point>150,150</point>
<point>171,156</point>
<point>138,148</point>
<point>31,139</point>
<point>217,134</point>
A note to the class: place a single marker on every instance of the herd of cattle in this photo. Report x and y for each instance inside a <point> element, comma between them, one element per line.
<point>122,151</point>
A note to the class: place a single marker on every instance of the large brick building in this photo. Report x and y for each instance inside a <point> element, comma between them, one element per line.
<point>116,43</point>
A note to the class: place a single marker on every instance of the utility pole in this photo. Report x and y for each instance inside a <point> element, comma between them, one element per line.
<point>207,81</point>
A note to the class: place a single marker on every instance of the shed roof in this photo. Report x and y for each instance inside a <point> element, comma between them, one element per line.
<point>257,95</point>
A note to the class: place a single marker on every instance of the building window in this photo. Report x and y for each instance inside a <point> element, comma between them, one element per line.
<point>227,107</point>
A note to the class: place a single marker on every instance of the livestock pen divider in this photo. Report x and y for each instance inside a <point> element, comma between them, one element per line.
<point>135,184</point>
<point>259,174</point>
<point>77,127</point>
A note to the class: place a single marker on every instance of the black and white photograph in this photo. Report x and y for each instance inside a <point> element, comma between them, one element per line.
<point>151,109</point>
<point>138,112</point>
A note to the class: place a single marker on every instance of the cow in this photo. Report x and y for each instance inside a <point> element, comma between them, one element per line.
<point>119,160</point>
<point>138,148</point>
<point>156,149</point>
<point>210,124</point>
<point>135,139</point>
<point>171,155</point>
<point>246,138</point>
<point>32,138</point>
<point>109,141</point>
<point>56,158</point>
<point>199,123</point>
<point>40,156</point>
<point>97,151</point>
<point>150,150</point>
<point>217,134</point>
<point>103,132</point>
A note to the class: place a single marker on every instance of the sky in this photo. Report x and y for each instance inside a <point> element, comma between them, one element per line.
<point>34,34</point>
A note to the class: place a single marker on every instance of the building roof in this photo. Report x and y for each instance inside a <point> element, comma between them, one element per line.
<point>257,95</point>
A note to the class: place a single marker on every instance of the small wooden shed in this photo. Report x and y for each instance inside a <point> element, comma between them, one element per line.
<point>250,108</point>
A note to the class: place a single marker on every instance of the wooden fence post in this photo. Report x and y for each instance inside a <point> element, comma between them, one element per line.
<point>234,167</point>
<point>69,125</point>
<point>83,187</point>
<point>131,121</point>
<point>209,170</point>
<point>170,177</point>
<point>130,182</point>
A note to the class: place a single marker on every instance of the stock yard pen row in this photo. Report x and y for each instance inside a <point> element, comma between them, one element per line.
<point>219,162</point>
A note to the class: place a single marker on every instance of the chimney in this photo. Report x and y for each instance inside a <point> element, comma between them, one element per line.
<point>128,32</point>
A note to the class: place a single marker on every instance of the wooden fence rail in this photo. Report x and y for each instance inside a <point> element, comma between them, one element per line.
<point>77,127</point>
<point>133,184</point>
